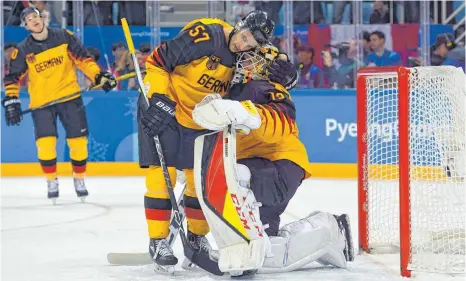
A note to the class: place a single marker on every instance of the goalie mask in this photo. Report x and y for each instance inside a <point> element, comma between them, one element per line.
<point>252,65</point>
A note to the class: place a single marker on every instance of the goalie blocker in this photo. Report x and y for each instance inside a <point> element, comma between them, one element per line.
<point>232,211</point>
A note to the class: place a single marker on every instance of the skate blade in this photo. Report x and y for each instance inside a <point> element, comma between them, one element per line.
<point>83,199</point>
<point>165,270</point>
<point>54,201</point>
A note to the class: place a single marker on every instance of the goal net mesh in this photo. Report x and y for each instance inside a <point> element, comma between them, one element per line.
<point>437,170</point>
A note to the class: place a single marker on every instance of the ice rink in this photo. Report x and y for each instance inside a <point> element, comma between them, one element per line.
<point>70,241</point>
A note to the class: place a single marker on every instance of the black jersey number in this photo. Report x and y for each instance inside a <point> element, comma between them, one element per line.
<point>199,32</point>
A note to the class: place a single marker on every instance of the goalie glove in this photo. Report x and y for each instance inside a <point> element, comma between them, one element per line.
<point>214,113</point>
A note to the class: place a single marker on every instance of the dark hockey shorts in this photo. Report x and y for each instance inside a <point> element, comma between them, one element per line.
<point>72,115</point>
<point>177,144</point>
<point>274,183</point>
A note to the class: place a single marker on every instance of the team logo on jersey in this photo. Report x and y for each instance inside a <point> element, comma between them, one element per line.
<point>31,58</point>
<point>213,62</point>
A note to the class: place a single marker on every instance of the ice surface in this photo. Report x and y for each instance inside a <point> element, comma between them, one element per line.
<point>70,241</point>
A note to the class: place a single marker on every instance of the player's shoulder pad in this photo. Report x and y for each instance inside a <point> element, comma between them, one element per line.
<point>214,27</point>
<point>258,91</point>
<point>59,36</point>
<point>279,87</point>
<point>23,48</point>
<point>279,91</point>
<point>266,86</point>
<point>202,39</point>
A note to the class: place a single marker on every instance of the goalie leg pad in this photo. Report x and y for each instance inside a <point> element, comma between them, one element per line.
<point>315,238</point>
<point>230,209</point>
<point>336,250</point>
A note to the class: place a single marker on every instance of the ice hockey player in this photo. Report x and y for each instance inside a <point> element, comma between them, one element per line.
<point>48,56</point>
<point>272,162</point>
<point>180,73</point>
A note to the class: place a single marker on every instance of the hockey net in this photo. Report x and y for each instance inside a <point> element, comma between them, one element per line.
<point>411,169</point>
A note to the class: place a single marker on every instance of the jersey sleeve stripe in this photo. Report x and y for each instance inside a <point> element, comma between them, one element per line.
<point>288,118</point>
<point>274,116</point>
<point>158,58</point>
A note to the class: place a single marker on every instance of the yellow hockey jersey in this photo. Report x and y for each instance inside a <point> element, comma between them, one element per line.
<point>278,136</point>
<point>50,65</point>
<point>192,65</point>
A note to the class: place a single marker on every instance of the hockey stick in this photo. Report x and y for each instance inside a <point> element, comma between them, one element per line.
<point>131,259</point>
<point>77,94</point>
<point>196,256</point>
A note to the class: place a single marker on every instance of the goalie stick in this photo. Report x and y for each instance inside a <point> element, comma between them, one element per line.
<point>196,256</point>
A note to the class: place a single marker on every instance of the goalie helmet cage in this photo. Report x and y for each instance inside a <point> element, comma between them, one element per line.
<point>411,126</point>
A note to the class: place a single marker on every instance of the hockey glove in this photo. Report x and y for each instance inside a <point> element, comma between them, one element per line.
<point>158,116</point>
<point>284,73</point>
<point>107,80</point>
<point>13,113</point>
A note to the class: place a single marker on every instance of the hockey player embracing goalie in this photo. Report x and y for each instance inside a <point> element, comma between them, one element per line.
<point>245,181</point>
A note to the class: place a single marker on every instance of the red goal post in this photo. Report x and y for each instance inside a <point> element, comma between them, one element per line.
<point>411,139</point>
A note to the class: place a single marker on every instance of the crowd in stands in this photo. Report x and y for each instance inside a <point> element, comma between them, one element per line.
<point>304,12</point>
<point>337,64</point>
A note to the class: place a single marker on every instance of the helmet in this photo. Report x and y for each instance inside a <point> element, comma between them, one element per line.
<point>252,65</point>
<point>259,24</point>
<point>26,12</point>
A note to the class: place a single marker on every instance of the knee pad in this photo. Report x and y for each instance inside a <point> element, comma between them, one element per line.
<point>46,148</point>
<point>78,148</point>
<point>155,182</point>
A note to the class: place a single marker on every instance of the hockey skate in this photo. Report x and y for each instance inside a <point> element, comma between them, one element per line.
<point>162,256</point>
<point>52,190</point>
<point>345,229</point>
<point>80,189</point>
<point>199,242</point>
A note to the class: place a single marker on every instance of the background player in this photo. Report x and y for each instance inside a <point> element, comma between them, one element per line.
<point>180,73</point>
<point>272,162</point>
<point>49,56</point>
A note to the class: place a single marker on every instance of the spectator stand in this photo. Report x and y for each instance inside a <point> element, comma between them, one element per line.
<point>299,22</point>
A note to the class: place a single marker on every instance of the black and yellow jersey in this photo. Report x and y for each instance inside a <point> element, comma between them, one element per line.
<point>50,66</point>
<point>278,136</point>
<point>194,64</point>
